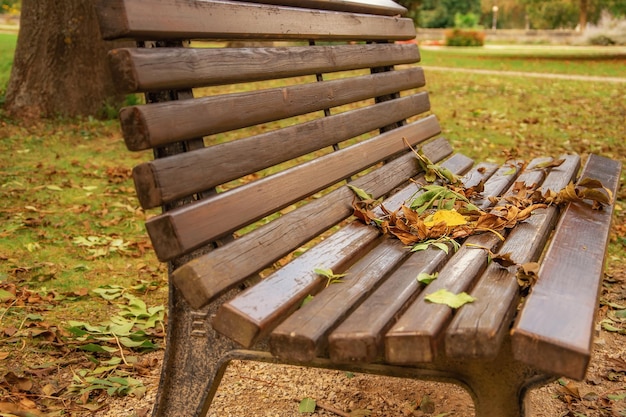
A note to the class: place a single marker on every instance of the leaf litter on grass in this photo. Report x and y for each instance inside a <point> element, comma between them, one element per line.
<point>92,359</point>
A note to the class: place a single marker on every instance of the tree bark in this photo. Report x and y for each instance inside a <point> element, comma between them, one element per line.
<point>60,66</point>
<point>583,16</point>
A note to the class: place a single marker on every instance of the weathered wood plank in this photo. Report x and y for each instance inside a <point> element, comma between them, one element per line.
<point>168,179</point>
<point>187,19</point>
<point>186,228</point>
<point>554,330</point>
<point>140,69</point>
<point>479,327</point>
<point>418,334</point>
<point>359,337</point>
<point>302,336</point>
<point>151,125</point>
<point>281,293</point>
<point>384,7</point>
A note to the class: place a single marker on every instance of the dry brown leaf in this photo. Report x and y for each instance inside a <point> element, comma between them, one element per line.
<point>503,259</point>
<point>21,383</point>
<point>551,164</point>
<point>527,274</point>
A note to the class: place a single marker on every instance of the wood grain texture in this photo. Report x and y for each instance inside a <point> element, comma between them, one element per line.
<point>479,327</point>
<point>554,330</point>
<point>417,335</point>
<point>155,125</point>
<point>247,322</point>
<point>168,179</point>
<point>384,7</point>
<point>360,337</point>
<point>229,265</point>
<point>206,220</point>
<point>302,336</point>
<point>140,69</point>
<point>188,19</point>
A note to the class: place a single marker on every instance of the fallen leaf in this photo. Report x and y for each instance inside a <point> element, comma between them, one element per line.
<point>450,218</point>
<point>362,194</point>
<point>503,259</point>
<point>426,278</point>
<point>549,164</point>
<point>21,383</point>
<point>452,300</point>
<point>307,405</point>
<point>527,274</point>
<point>427,405</point>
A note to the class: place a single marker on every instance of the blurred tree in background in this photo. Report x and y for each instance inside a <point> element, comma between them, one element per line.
<point>513,14</point>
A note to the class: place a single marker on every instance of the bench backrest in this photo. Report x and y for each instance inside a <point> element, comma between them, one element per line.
<point>267,134</point>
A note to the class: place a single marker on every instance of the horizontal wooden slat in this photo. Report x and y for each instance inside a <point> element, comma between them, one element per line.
<point>257,311</point>
<point>156,125</point>
<point>188,19</point>
<point>145,69</point>
<point>184,229</point>
<point>168,179</point>
<point>554,330</point>
<point>359,337</point>
<point>384,7</point>
<point>479,327</point>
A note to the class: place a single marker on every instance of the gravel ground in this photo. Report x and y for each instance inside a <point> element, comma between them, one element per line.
<point>260,389</point>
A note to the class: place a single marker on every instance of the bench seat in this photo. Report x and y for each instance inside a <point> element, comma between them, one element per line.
<point>258,153</point>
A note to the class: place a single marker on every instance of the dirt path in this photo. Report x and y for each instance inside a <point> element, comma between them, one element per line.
<point>528,74</point>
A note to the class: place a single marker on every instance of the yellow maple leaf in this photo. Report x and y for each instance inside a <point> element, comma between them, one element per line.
<point>450,218</point>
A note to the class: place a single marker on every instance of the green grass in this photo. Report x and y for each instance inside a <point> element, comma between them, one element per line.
<point>7,47</point>
<point>63,182</point>
<point>608,62</point>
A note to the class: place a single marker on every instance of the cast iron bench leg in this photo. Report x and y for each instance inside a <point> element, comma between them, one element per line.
<point>192,366</point>
<point>499,387</point>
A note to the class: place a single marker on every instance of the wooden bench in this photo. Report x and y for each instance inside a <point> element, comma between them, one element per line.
<point>253,172</point>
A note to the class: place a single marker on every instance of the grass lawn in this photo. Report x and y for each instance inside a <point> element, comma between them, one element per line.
<point>596,61</point>
<point>7,47</point>
<point>70,223</point>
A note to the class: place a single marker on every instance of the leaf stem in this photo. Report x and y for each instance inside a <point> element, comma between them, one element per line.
<point>119,345</point>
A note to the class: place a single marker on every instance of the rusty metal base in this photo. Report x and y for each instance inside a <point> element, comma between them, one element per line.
<point>196,359</point>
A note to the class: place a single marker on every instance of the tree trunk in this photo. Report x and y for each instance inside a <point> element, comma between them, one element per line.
<point>582,18</point>
<point>60,66</point>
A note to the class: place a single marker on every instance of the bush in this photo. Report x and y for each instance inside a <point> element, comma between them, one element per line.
<point>608,31</point>
<point>458,37</point>
<point>601,40</point>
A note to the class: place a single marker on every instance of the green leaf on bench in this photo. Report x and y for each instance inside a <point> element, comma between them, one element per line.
<point>361,193</point>
<point>329,275</point>
<point>426,278</point>
<point>452,300</point>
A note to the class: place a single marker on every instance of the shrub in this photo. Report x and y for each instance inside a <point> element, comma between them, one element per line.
<point>459,37</point>
<point>608,31</point>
